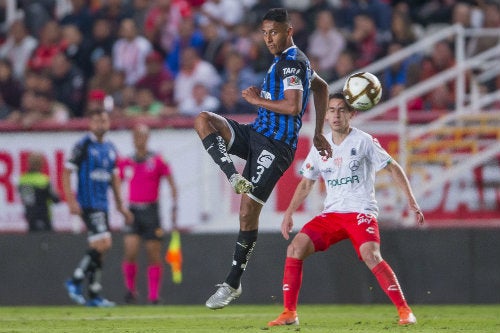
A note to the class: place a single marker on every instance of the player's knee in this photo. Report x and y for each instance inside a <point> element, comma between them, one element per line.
<point>201,121</point>
<point>371,258</point>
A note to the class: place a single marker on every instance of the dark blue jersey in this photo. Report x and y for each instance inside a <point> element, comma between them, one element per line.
<point>95,162</point>
<point>290,70</point>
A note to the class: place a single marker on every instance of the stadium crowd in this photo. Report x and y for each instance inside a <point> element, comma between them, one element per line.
<point>164,58</point>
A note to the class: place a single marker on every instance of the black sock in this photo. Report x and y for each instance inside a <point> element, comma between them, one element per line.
<point>216,147</point>
<point>85,264</point>
<point>242,252</point>
<point>94,275</point>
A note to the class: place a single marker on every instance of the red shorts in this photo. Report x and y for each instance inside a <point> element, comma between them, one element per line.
<point>330,228</point>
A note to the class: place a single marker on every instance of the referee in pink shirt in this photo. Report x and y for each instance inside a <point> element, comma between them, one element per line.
<point>144,171</point>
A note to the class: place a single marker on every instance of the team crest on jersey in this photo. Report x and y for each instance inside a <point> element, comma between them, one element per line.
<point>306,167</point>
<point>265,159</point>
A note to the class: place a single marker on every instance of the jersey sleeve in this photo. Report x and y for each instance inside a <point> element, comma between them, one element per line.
<point>163,166</point>
<point>292,74</point>
<point>310,166</point>
<point>77,155</point>
<point>379,156</point>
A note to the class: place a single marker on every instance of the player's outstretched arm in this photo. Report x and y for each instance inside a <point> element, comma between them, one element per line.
<point>301,192</point>
<point>399,176</point>
<point>319,88</point>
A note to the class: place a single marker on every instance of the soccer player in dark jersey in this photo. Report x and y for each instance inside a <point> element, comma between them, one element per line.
<point>144,171</point>
<point>268,144</point>
<point>93,158</point>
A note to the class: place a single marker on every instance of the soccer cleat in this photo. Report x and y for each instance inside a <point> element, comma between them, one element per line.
<point>100,302</point>
<point>240,184</point>
<point>223,296</point>
<point>75,292</point>
<point>406,317</point>
<point>287,317</point>
<point>130,298</point>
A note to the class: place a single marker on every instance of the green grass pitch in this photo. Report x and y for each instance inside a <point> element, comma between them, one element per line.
<point>247,318</point>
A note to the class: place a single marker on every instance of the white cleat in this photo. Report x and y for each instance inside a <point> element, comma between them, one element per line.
<point>223,296</point>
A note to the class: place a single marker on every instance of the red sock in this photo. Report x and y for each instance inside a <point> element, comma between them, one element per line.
<point>389,283</point>
<point>129,270</point>
<point>292,281</point>
<point>154,279</point>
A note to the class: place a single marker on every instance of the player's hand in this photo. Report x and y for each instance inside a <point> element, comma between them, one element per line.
<point>251,95</point>
<point>419,215</point>
<point>287,226</point>
<point>322,145</point>
<point>127,214</point>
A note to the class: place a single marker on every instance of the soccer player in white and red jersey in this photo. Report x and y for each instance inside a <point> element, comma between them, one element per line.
<point>350,209</point>
<point>147,171</point>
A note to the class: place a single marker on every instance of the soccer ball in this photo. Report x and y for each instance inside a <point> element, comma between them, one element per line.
<point>362,91</point>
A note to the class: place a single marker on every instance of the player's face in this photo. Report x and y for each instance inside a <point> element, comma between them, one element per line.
<point>99,124</point>
<point>141,136</point>
<point>277,36</point>
<point>338,115</point>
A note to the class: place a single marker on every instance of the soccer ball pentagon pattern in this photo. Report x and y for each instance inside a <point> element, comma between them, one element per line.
<point>362,91</point>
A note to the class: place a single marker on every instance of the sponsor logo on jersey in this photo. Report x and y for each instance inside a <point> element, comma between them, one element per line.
<point>342,181</point>
<point>354,165</point>
<point>265,159</point>
<point>100,175</point>
<point>290,71</point>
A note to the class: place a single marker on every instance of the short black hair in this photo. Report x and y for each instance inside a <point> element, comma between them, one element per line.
<point>340,95</point>
<point>279,15</point>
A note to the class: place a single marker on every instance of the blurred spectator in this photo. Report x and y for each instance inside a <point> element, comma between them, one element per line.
<point>254,14</point>
<point>344,66</point>
<point>115,11</point>
<point>201,100</point>
<point>312,11</point>
<point>236,71</point>
<point>397,74</point>
<point>162,24</point>
<point>378,10</point>
<point>213,46</point>
<point>130,51</point>
<point>402,29</point>
<point>37,14</point>
<point>50,44</point>
<point>37,195</point>
<point>242,39</point>
<point>227,14</point>
<point>363,40</point>
<point>79,16</point>
<point>325,43</point>
<point>102,41</point>
<point>69,84</point>
<point>146,105</point>
<point>77,49</point>
<point>18,47</point>
<point>301,31</point>
<point>45,111</point>
<point>10,88</point>
<point>140,9</point>
<point>102,77</point>
<point>231,102</point>
<point>95,101</point>
<point>193,70</point>
<point>188,36</point>
<point>118,87</point>
<point>491,19</point>
<point>433,11</point>
<point>158,79</point>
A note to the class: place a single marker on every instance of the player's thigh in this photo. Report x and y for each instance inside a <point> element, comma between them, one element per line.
<point>267,161</point>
